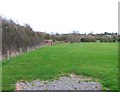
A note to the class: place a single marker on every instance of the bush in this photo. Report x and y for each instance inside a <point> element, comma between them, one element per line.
<point>88,39</point>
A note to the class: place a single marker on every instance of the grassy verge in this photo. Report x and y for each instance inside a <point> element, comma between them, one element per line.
<point>98,60</point>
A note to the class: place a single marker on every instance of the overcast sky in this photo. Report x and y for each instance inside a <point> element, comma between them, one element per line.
<point>64,16</point>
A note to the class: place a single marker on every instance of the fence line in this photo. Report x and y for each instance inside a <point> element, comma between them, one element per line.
<point>20,51</point>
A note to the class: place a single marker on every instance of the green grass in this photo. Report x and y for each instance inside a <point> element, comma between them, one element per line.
<point>97,60</point>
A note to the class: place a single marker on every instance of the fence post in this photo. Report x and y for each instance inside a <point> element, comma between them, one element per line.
<point>20,50</point>
<point>27,49</point>
<point>33,47</point>
<point>8,55</point>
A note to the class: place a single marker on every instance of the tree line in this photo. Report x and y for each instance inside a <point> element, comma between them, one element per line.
<point>77,37</point>
<point>15,36</point>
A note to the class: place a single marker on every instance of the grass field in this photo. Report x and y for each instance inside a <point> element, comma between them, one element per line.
<point>98,60</point>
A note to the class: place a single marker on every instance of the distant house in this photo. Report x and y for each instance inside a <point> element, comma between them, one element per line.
<point>48,42</point>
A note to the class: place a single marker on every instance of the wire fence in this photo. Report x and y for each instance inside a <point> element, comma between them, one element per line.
<point>13,53</point>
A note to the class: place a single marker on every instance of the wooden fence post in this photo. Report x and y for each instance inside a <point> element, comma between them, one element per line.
<point>20,50</point>
<point>27,49</point>
<point>33,47</point>
<point>8,55</point>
